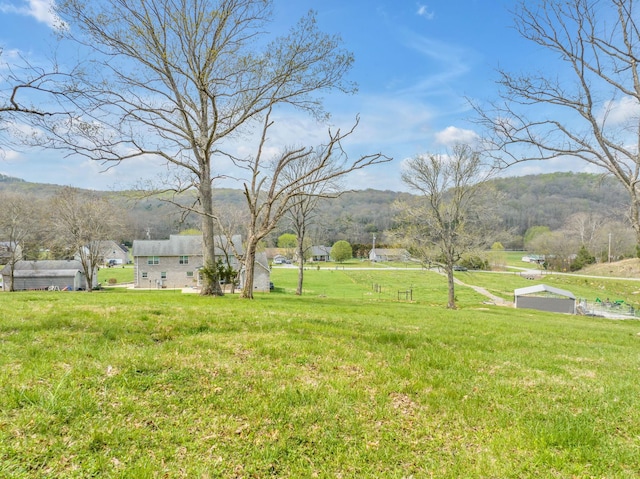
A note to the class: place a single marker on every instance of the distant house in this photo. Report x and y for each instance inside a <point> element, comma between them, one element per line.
<point>47,274</point>
<point>534,258</point>
<point>388,254</point>
<point>176,262</point>
<point>545,298</point>
<point>320,253</point>
<point>114,253</point>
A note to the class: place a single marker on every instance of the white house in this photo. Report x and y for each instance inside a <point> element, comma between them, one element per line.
<point>388,254</point>
<point>176,262</point>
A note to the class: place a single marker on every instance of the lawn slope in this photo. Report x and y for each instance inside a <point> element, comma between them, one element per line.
<point>345,381</point>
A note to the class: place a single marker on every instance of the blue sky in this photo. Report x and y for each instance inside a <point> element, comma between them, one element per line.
<point>416,65</point>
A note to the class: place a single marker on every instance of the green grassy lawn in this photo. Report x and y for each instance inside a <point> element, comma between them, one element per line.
<point>119,273</point>
<point>345,381</point>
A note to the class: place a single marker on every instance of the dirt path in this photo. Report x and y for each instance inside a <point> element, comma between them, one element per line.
<point>497,300</point>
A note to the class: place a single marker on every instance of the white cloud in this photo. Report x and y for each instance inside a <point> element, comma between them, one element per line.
<point>619,112</point>
<point>453,135</point>
<point>423,11</point>
<point>41,10</point>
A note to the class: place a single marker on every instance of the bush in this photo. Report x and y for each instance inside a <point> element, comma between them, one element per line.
<point>474,262</point>
<point>583,258</point>
<point>341,251</point>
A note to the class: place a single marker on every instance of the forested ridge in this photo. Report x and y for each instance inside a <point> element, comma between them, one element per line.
<point>525,201</point>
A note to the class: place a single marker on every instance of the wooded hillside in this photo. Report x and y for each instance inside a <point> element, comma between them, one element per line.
<point>535,200</point>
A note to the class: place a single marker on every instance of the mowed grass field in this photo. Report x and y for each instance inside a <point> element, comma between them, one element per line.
<point>343,382</point>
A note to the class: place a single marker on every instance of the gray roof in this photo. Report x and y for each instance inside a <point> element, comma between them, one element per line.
<point>110,244</point>
<point>543,288</point>
<point>261,259</point>
<point>320,250</point>
<point>44,268</point>
<point>183,245</point>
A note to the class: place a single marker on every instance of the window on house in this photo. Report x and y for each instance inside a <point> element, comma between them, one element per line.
<point>145,275</point>
<point>184,260</point>
<point>163,275</point>
<point>189,274</point>
<point>153,260</point>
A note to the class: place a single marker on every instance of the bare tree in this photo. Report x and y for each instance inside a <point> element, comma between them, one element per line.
<point>557,247</point>
<point>231,222</point>
<point>303,209</point>
<point>585,102</point>
<point>178,78</point>
<point>600,235</point>
<point>20,225</point>
<point>300,216</point>
<point>444,220</point>
<point>81,222</point>
<point>586,226</point>
<point>272,190</point>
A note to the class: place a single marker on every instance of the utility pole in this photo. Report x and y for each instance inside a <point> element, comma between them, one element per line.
<point>372,255</point>
<point>609,247</point>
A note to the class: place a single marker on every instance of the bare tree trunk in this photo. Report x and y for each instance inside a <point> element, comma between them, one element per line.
<point>85,260</point>
<point>300,265</point>
<point>634,218</point>
<point>211,283</point>
<point>452,288</point>
<point>11,274</point>
<point>249,269</point>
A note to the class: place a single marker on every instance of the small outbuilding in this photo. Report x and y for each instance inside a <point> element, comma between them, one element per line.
<point>47,274</point>
<point>545,298</point>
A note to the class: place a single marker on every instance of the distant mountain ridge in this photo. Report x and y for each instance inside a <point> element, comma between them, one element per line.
<point>10,179</point>
<point>525,201</point>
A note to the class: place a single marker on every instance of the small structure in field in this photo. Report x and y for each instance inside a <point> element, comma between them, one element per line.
<point>47,274</point>
<point>545,298</point>
<point>388,254</point>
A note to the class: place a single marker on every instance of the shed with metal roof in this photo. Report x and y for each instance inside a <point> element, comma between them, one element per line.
<point>46,274</point>
<point>545,298</point>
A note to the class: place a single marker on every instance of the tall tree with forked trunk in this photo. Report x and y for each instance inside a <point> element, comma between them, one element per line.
<point>180,80</point>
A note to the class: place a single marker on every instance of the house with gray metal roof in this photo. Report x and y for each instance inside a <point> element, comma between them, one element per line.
<point>176,262</point>
<point>320,253</point>
<point>60,275</point>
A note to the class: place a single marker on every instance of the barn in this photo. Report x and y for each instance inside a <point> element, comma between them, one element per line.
<point>50,274</point>
<point>545,298</point>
